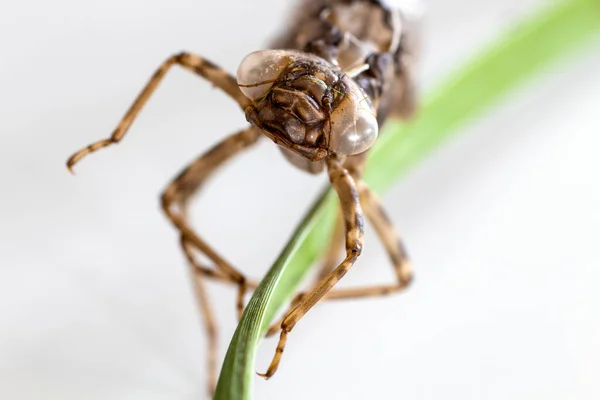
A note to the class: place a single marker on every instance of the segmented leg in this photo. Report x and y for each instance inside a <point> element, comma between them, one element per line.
<point>345,187</point>
<point>216,75</point>
<point>201,270</point>
<point>329,263</point>
<point>336,246</point>
<point>175,200</point>
<point>177,195</point>
<point>207,313</point>
<point>391,241</point>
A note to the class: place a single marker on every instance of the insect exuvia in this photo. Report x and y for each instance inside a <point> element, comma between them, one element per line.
<point>320,94</point>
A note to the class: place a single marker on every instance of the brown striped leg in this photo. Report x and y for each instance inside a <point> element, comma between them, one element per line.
<point>174,203</point>
<point>345,187</point>
<point>206,69</point>
<point>392,243</point>
<point>335,248</point>
<point>216,274</point>
<point>198,273</point>
<point>329,263</point>
<point>395,249</point>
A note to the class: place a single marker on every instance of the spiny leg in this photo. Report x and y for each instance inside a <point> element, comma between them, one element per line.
<point>335,248</point>
<point>199,272</point>
<point>203,270</point>
<point>228,84</point>
<point>329,263</point>
<point>175,201</point>
<point>392,243</point>
<point>345,187</point>
<point>217,274</point>
<point>216,75</point>
<point>210,325</point>
<point>177,195</point>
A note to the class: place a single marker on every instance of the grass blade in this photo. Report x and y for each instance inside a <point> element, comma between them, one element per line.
<point>553,33</point>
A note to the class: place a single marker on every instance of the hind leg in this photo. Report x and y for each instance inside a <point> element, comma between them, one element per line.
<point>175,201</point>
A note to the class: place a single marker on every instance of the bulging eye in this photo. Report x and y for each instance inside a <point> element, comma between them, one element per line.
<point>353,130</point>
<point>259,70</point>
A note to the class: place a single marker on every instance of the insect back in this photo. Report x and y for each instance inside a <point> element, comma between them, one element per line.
<point>306,104</point>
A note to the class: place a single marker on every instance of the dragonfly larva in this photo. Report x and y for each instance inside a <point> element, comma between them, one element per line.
<point>320,93</point>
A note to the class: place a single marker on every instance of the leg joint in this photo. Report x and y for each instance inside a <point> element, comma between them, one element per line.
<point>355,250</point>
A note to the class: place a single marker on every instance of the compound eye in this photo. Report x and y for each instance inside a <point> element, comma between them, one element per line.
<point>259,70</point>
<point>354,132</point>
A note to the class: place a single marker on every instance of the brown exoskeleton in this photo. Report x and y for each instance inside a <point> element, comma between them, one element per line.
<point>340,70</point>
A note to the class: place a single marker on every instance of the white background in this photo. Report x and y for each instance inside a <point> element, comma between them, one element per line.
<point>502,223</point>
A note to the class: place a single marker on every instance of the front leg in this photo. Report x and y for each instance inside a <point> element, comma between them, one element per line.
<point>344,185</point>
<point>206,69</point>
